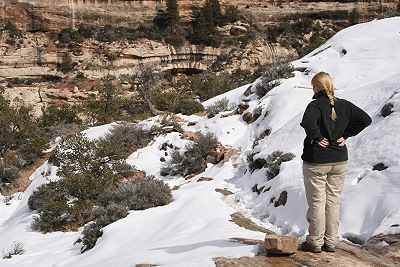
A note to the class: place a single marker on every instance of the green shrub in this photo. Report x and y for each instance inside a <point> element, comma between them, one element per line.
<point>108,34</point>
<point>193,159</point>
<point>53,215</point>
<point>9,174</point>
<point>139,194</point>
<point>208,84</point>
<point>113,212</point>
<point>86,31</point>
<point>106,106</point>
<point>149,31</point>
<point>272,34</point>
<point>62,130</point>
<point>271,77</point>
<point>67,36</point>
<point>114,203</point>
<point>188,107</point>
<point>89,173</point>
<point>85,172</point>
<point>129,136</point>
<point>240,77</point>
<point>91,233</point>
<point>33,149</point>
<point>124,169</point>
<point>88,185</point>
<point>16,249</point>
<point>231,14</point>
<point>264,87</point>
<point>304,25</point>
<point>66,65</point>
<point>166,101</point>
<point>219,106</point>
<point>111,56</point>
<point>51,202</point>
<point>274,161</point>
<point>12,29</point>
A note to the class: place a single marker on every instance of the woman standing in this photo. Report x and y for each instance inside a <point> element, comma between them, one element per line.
<point>328,121</point>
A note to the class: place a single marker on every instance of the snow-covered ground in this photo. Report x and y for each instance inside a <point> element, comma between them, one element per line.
<point>364,62</point>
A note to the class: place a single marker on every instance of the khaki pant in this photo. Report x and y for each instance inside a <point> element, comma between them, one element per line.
<point>323,184</point>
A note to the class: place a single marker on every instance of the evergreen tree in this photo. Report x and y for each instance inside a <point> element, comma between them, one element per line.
<point>172,10</point>
<point>20,131</point>
<point>167,18</point>
<point>107,106</point>
<point>204,26</point>
<point>216,12</point>
<point>146,81</point>
<point>231,14</point>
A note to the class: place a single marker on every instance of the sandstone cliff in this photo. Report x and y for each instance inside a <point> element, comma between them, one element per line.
<point>30,65</point>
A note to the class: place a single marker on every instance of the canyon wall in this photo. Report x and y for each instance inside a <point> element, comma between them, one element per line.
<point>35,56</point>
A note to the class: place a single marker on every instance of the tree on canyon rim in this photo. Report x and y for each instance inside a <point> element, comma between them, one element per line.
<point>205,23</point>
<point>173,11</point>
<point>169,18</point>
<point>146,82</point>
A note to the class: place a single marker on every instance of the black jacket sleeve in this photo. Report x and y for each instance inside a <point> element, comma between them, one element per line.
<point>359,120</point>
<point>311,122</point>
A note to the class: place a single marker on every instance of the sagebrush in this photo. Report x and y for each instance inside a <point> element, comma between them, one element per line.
<point>271,77</point>
<point>115,203</point>
<point>219,106</point>
<point>274,160</point>
<point>18,248</point>
<point>193,159</point>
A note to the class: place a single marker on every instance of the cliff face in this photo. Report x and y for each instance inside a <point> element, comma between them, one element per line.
<point>28,70</point>
<point>53,15</point>
<point>47,15</point>
<point>35,56</point>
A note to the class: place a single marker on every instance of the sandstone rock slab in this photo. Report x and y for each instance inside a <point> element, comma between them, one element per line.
<point>280,244</point>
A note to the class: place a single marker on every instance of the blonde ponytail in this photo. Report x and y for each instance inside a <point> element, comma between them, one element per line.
<point>332,103</point>
<point>322,82</point>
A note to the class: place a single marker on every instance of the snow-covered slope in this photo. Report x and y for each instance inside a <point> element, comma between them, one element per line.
<point>364,61</point>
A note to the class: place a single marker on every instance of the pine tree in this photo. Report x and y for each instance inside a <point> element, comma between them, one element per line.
<point>106,107</point>
<point>216,12</point>
<point>204,26</point>
<point>173,11</point>
<point>20,130</point>
<point>146,82</point>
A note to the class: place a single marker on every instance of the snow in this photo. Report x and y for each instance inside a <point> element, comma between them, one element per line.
<point>195,228</point>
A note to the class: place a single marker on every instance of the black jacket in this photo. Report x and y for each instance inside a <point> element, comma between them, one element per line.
<point>318,125</point>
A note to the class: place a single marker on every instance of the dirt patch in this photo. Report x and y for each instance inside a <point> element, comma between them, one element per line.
<point>242,221</point>
<point>25,173</point>
<point>387,246</point>
<point>258,261</point>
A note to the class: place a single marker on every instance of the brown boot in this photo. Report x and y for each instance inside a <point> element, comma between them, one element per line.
<point>305,246</point>
<point>327,248</point>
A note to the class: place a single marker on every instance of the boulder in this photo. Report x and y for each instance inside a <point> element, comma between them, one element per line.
<point>280,244</point>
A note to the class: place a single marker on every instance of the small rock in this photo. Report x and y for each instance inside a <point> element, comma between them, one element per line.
<point>205,179</point>
<point>280,244</point>
<point>190,176</point>
<point>379,167</point>
<point>224,192</point>
<point>247,117</point>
